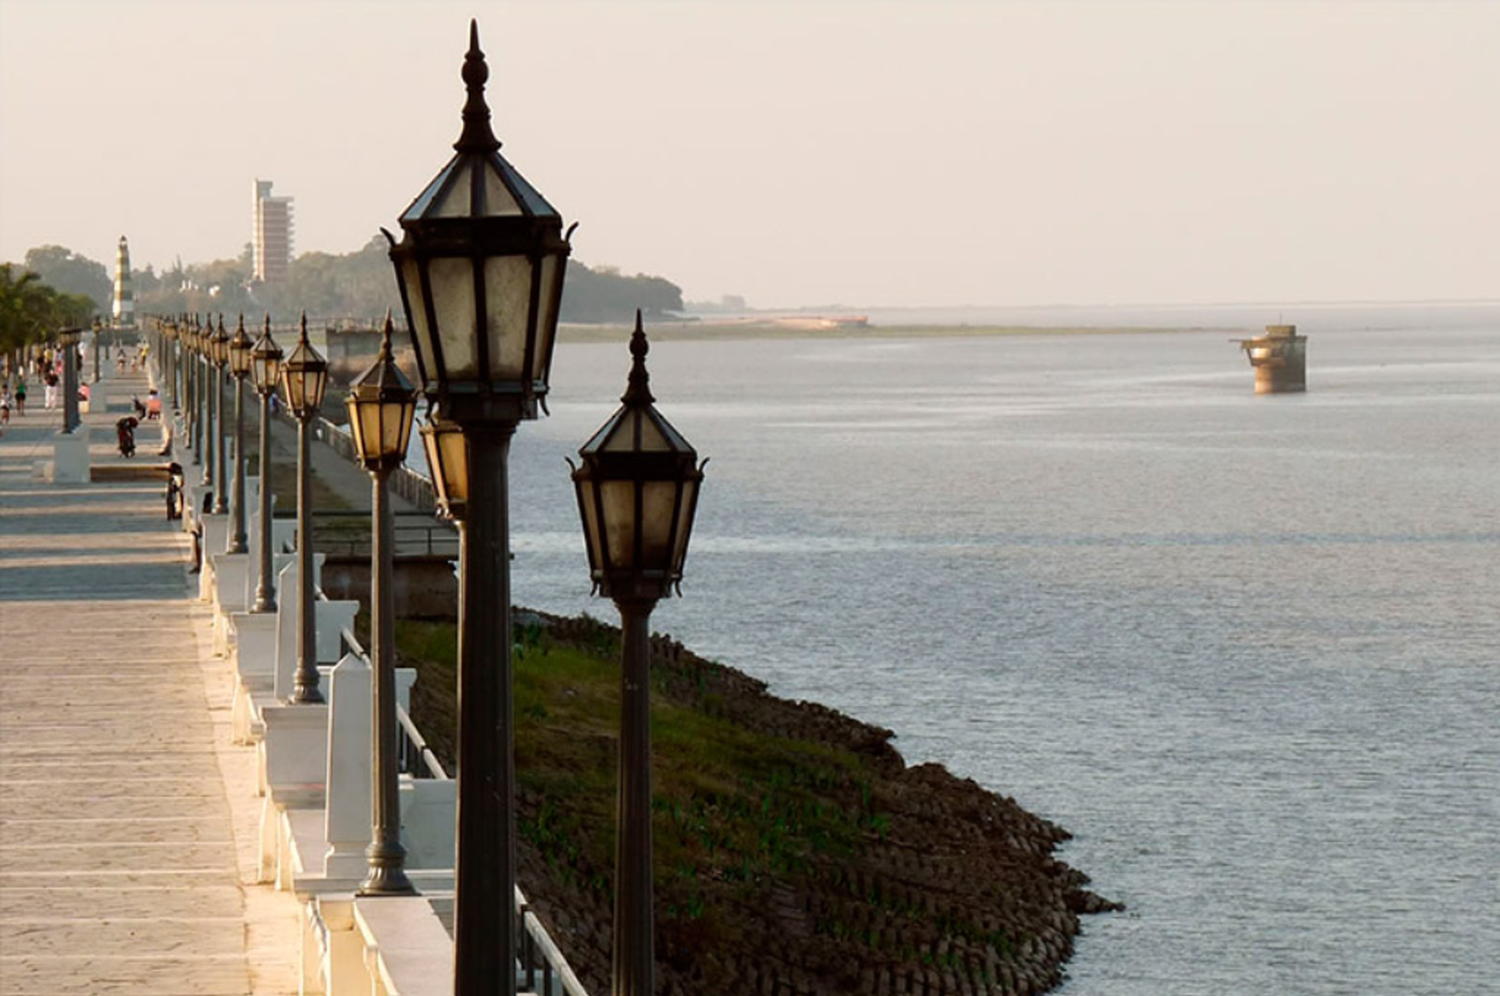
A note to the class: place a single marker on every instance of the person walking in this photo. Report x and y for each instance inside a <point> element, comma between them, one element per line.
<point>21,396</point>
<point>49,390</point>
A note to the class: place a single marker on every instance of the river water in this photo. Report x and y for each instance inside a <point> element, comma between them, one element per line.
<point>1247,649</point>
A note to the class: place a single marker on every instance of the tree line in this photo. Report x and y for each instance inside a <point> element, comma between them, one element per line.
<point>358,286</point>
<point>31,310</point>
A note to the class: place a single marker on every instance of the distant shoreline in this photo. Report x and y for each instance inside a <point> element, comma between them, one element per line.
<point>687,331</point>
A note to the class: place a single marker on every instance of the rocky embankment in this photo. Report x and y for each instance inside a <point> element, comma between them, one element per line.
<point>815,862</point>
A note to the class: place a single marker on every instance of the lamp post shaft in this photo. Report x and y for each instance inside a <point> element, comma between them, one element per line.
<point>265,589</point>
<point>212,472</point>
<point>221,461</point>
<point>94,349</point>
<point>484,899</point>
<point>237,537</point>
<point>200,424</point>
<point>70,388</point>
<point>634,954</point>
<point>190,406</point>
<point>305,682</point>
<point>386,855</point>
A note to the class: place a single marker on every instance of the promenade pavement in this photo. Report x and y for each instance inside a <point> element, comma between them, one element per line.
<point>127,819</point>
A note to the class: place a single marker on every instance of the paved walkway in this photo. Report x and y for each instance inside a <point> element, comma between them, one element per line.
<point>127,822</point>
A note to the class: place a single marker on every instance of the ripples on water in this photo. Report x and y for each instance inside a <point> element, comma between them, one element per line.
<point>1245,648</point>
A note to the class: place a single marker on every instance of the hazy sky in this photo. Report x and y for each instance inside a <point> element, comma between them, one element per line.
<point>797,153</point>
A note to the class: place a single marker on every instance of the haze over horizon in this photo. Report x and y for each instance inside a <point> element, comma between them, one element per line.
<point>878,155</point>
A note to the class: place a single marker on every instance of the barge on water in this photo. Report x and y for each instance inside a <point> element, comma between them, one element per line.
<point>1279,358</point>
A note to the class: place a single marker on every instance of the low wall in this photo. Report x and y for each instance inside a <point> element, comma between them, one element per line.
<point>426,587</point>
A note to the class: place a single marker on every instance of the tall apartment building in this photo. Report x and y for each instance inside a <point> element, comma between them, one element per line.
<point>273,234</point>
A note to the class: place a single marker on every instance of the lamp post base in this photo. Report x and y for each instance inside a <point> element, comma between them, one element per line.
<point>386,876</point>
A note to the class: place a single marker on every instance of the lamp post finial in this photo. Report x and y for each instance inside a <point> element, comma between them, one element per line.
<point>476,136</point>
<point>638,390</point>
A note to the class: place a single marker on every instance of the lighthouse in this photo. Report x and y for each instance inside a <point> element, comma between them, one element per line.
<point>124,310</point>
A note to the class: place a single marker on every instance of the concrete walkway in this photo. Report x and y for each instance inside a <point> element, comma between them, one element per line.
<point>127,820</point>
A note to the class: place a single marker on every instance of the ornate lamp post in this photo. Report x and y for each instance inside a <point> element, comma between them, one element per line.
<point>68,340</point>
<point>169,357</point>
<point>382,404</point>
<point>94,348</point>
<point>218,357</point>
<point>200,389</point>
<point>239,368</point>
<point>304,377</point>
<point>480,267</point>
<point>190,385</point>
<point>637,486</point>
<point>265,368</point>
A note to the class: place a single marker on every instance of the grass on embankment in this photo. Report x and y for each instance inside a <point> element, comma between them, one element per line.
<point>730,803</point>
<point>794,850</point>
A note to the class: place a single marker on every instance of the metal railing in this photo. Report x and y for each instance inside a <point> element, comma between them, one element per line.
<point>412,485</point>
<point>417,534</point>
<point>540,957</point>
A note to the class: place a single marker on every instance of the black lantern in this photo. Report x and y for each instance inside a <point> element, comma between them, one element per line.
<point>304,377</point>
<point>448,462</point>
<point>637,492</point>
<point>480,267</point>
<point>265,370</point>
<point>218,358</point>
<point>218,346</point>
<point>265,361</point>
<point>382,404</point>
<point>69,337</point>
<point>239,348</point>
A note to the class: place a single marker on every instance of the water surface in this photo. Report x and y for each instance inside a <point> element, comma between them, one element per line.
<point>1244,648</point>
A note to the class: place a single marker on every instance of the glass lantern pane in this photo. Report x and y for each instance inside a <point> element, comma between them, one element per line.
<point>497,200</point>
<point>684,524</point>
<point>455,464</point>
<point>619,521</point>
<point>390,428</point>
<point>433,448</point>
<point>652,439</point>
<point>588,509</point>
<point>411,278</point>
<point>371,419</point>
<point>453,300</point>
<point>546,320</point>
<point>317,381</point>
<point>622,435</point>
<point>658,505</point>
<point>507,290</point>
<point>292,388</point>
<point>457,199</point>
<point>356,428</point>
<point>407,416</point>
